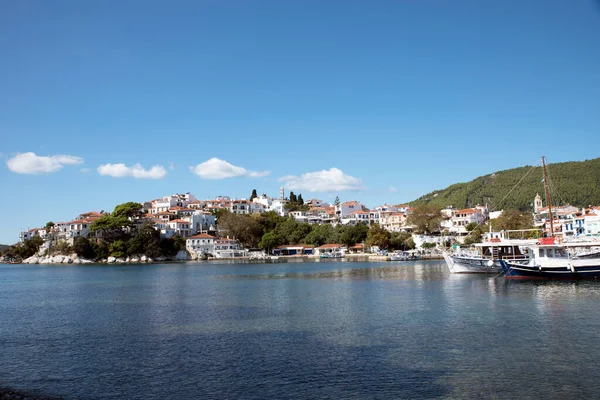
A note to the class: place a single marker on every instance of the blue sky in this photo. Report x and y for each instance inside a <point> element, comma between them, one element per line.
<point>379,101</point>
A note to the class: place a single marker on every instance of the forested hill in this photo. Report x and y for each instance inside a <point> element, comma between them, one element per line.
<point>575,183</point>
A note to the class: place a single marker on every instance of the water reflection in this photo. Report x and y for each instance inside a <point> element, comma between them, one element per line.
<point>345,272</point>
<point>309,330</point>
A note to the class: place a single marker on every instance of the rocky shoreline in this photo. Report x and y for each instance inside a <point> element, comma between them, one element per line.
<point>75,259</point>
<point>184,256</point>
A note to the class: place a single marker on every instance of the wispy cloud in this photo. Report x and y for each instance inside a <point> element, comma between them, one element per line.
<point>221,169</point>
<point>332,180</point>
<point>135,171</point>
<point>85,170</point>
<point>393,189</point>
<point>171,166</point>
<point>30,163</point>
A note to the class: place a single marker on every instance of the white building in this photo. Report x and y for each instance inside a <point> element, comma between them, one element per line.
<point>257,208</point>
<point>461,218</point>
<point>278,206</point>
<point>239,206</point>
<point>202,244</point>
<point>207,245</point>
<point>343,210</point>
<point>175,200</point>
<point>181,227</point>
<point>201,221</point>
<point>316,203</point>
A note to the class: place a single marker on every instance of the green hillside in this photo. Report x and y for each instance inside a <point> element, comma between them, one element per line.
<point>575,183</point>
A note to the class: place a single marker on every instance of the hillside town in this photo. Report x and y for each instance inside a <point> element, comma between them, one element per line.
<point>185,216</point>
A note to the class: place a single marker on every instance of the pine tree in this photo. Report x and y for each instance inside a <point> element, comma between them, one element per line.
<point>293,198</point>
<point>253,195</point>
<point>300,199</point>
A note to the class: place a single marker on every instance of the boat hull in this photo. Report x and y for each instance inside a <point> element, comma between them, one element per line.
<point>570,271</point>
<point>472,265</point>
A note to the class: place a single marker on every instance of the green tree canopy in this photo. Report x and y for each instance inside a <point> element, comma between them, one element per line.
<point>512,220</point>
<point>378,236</point>
<point>269,241</point>
<point>253,195</point>
<point>127,210</point>
<point>425,218</point>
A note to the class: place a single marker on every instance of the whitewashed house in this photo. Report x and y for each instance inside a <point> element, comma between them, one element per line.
<point>202,244</point>
<point>343,210</point>
<point>181,227</point>
<point>201,221</point>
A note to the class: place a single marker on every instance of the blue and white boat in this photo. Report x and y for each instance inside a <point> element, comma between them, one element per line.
<point>548,260</point>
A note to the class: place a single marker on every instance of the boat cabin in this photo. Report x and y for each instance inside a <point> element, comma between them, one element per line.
<point>504,249</point>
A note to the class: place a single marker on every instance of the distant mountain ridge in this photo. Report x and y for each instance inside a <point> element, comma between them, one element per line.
<point>575,182</point>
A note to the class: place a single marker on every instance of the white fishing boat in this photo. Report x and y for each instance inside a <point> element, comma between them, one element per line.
<point>484,258</point>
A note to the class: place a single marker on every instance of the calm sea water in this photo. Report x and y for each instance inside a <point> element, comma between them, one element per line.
<point>294,330</point>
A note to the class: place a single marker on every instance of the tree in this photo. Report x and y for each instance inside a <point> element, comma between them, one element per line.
<point>471,226</point>
<point>336,202</point>
<point>292,232</point>
<point>399,240</point>
<point>300,200</point>
<point>118,248</point>
<point>512,220</point>
<point>244,228</point>
<point>111,226</point>
<point>378,236</point>
<point>320,235</point>
<point>293,198</point>
<point>145,237</point>
<point>127,210</point>
<point>270,220</point>
<point>49,225</point>
<point>351,234</point>
<point>101,249</point>
<point>83,248</point>
<point>428,245</point>
<point>253,195</point>
<point>269,241</point>
<point>425,218</point>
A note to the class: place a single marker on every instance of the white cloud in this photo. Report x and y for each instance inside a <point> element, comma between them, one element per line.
<point>332,180</point>
<point>393,189</point>
<point>221,169</point>
<point>30,163</point>
<point>135,171</point>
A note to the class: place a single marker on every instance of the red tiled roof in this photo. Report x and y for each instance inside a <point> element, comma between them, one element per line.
<point>330,246</point>
<point>180,221</point>
<point>202,236</point>
<point>288,246</point>
<point>467,211</point>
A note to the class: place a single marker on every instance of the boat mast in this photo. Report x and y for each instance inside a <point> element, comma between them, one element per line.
<point>547,188</point>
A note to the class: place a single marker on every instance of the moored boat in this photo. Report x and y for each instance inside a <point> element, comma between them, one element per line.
<point>548,260</point>
<point>551,261</point>
<point>485,258</point>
